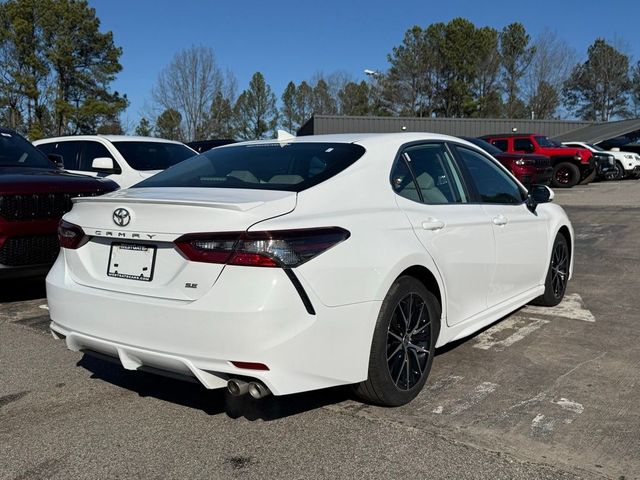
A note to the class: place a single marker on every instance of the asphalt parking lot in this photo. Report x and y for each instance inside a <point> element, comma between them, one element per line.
<point>541,394</point>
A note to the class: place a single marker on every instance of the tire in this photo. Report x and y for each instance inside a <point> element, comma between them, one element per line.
<point>402,350</point>
<point>589,178</point>
<point>555,284</point>
<point>618,172</point>
<point>565,175</point>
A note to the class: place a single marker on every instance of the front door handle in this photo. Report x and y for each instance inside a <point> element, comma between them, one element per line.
<point>432,224</point>
<point>500,220</point>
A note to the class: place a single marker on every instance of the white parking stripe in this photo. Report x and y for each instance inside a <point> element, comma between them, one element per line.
<point>571,307</point>
<point>522,326</point>
<point>475,397</point>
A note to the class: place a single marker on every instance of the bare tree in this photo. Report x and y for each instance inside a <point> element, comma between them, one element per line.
<point>189,85</point>
<point>550,67</point>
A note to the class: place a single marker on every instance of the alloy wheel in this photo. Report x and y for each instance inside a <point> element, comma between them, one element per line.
<point>563,176</point>
<point>408,341</point>
<point>559,269</point>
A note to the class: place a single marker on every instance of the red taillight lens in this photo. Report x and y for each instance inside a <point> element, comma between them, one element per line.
<point>281,248</point>
<point>71,236</point>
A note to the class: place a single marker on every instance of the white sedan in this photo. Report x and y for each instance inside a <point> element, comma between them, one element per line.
<point>286,266</point>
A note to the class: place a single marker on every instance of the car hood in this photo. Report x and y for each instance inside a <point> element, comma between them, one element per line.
<point>21,180</point>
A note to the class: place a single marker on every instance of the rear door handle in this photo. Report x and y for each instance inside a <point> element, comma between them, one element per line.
<point>500,220</point>
<point>432,224</point>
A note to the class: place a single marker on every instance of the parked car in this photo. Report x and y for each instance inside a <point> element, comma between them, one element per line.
<point>570,165</point>
<point>530,169</point>
<point>282,267</point>
<point>34,194</point>
<point>201,146</point>
<point>126,160</point>
<point>627,162</point>
<point>605,161</point>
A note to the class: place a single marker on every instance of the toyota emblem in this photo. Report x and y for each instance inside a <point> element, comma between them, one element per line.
<point>121,217</point>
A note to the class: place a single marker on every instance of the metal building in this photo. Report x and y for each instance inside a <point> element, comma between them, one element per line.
<point>471,127</point>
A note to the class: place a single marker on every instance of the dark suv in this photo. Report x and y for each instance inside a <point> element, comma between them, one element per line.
<point>34,194</point>
<point>570,165</point>
<point>528,168</point>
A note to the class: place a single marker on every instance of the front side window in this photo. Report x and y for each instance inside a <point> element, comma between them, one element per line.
<point>426,173</point>
<point>293,166</point>
<point>153,155</point>
<point>93,150</point>
<point>493,184</point>
<point>523,145</point>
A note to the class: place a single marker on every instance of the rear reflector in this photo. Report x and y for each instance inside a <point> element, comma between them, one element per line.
<point>71,236</point>
<point>250,365</point>
<point>278,248</point>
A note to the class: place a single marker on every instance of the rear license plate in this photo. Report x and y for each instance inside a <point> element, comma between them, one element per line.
<point>132,261</point>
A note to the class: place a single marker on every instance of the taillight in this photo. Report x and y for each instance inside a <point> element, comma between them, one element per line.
<point>280,248</point>
<point>71,236</point>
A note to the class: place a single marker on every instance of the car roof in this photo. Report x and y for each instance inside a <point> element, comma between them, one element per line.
<point>508,135</point>
<point>360,138</point>
<point>110,138</point>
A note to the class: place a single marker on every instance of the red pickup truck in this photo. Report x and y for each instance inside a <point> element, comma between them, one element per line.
<point>570,165</point>
<point>34,194</point>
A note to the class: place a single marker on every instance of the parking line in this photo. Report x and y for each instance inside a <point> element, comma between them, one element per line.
<point>522,326</point>
<point>571,307</point>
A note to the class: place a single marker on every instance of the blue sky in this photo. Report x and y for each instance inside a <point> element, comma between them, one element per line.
<point>288,40</point>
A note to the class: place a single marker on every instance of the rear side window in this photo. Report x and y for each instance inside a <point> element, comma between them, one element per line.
<point>501,144</point>
<point>265,166</point>
<point>426,173</point>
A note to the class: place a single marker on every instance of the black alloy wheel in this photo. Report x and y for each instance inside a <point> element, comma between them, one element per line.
<point>559,269</point>
<point>403,344</point>
<point>408,340</point>
<point>555,284</point>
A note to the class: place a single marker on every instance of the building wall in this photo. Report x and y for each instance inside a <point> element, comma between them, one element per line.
<point>472,127</point>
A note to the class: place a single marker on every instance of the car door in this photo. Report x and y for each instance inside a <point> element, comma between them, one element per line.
<point>520,234</point>
<point>431,192</point>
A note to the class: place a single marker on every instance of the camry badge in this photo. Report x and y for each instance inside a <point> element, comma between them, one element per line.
<point>121,217</point>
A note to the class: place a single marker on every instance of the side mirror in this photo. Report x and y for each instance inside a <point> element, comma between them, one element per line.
<point>538,194</point>
<point>56,159</point>
<point>102,163</point>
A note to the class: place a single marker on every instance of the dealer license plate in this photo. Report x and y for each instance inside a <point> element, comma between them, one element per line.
<point>132,261</point>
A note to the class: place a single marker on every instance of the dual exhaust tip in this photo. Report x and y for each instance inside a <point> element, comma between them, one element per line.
<point>256,389</point>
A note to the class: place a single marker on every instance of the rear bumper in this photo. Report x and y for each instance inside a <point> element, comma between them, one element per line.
<point>251,315</point>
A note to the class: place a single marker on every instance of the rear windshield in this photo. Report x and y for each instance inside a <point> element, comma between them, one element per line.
<point>153,155</point>
<point>265,166</point>
<point>15,151</point>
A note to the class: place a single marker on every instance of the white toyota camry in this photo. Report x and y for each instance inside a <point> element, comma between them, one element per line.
<point>285,266</point>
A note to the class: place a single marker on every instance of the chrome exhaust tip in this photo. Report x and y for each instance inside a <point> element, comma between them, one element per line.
<point>237,387</point>
<point>258,390</point>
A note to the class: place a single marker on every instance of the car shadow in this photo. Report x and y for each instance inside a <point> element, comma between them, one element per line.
<point>212,402</point>
<point>18,290</point>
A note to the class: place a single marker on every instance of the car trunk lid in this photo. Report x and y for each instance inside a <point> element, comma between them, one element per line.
<point>155,218</point>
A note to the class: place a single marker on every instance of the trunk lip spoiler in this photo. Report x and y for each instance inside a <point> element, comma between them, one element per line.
<point>242,206</point>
